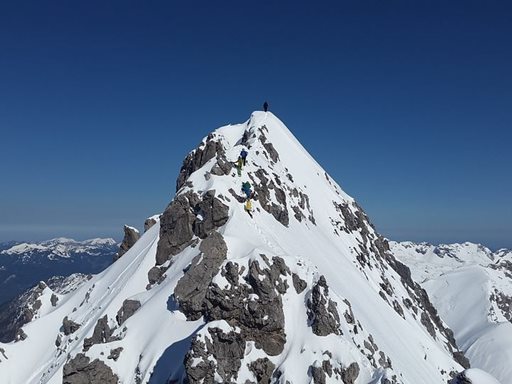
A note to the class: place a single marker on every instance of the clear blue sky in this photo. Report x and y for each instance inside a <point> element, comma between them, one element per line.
<point>407,104</point>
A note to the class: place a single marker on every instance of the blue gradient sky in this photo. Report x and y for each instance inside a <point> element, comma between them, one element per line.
<point>407,104</point>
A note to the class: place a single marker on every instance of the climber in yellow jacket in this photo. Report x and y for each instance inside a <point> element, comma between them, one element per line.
<point>248,207</point>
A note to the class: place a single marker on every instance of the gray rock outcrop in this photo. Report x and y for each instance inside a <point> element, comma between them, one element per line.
<point>227,349</point>
<point>80,370</point>
<point>196,159</point>
<point>186,216</point>
<point>127,310</point>
<point>461,378</point>
<point>261,319</point>
<point>115,353</point>
<point>350,374</point>
<point>299,284</point>
<point>131,235</point>
<point>69,326</point>
<point>149,222</point>
<point>20,311</point>
<point>322,311</point>
<point>101,334</point>
<point>191,289</point>
<point>263,370</point>
<point>262,189</point>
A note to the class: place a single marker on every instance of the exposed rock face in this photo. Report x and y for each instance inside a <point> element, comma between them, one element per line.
<point>115,353</point>
<point>503,302</point>
<point>155,274</point>
<point>263,370</point>
<point>261,319</point>
<point>212,215</point>
<point>186,216</point>
<point>80,370</point>
<point>461,378</point>
<point>320,372</point>
<point>192,287</point>
<point>131,235</point>
<point>350,374</point>
<point>318,375</point>
<point>461,359</point>
<point>19,312</point>
<point>101,334</point>
<point>127,310</point>
<point>149,222</point>
<point>2,352</point>
<point>269,147</point>
<point>299,284</point>
<point>252,305</point>
<point>176,227</point>
<point>227,350</point>
<point>263,195</point>
<point>20,335</point>
<point>69,326</point>
<point>373,252</point>
<point>199,157</point>
<point>54,300</point>
<point>323,314</point>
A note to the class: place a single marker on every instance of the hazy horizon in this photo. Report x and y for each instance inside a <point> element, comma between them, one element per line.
<point>405,105</point>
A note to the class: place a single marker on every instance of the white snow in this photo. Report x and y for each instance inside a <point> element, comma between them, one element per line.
<point>158,334</point>
<point>61,247</point>
<point>478,376</point>
<point>461,286</point>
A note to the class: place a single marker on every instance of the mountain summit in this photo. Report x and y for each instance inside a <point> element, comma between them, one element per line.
<point>304,291</point>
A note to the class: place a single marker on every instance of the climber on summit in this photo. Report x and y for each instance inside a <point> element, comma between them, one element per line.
<point>243,156</point>
<point>246,188</point>
<point>265,106</point>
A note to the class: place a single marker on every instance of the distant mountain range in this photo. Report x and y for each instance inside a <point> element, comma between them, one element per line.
<point>24,264</point>
<point>471,287</point>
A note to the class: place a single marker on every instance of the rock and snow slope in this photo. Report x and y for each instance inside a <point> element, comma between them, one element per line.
<point>472,289</point>
<point>304,292</point>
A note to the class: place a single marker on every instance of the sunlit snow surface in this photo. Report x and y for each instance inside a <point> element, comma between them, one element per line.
<point>461,282</point>
<point>158,335</point>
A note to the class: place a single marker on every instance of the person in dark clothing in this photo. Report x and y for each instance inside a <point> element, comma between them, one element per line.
<point>246,188</point>
<point>265,106</point>
<point>243,156</point>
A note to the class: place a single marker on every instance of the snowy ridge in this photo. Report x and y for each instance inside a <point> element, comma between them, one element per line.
<point>304,292</point>
<point>472,289</point>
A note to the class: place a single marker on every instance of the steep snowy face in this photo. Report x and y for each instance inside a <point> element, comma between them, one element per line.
<point>305,232</point>
<point>301,290</point>
<point>472,290</point>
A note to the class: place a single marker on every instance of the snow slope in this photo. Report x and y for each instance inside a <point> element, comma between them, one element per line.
<point>304,292</point>
<point>472,289</point>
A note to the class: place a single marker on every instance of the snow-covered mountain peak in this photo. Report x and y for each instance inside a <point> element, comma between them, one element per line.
<point>303,290</point>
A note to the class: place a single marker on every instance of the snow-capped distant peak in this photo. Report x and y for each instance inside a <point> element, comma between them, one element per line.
<point>100,241</point>
<point>60,247</point>
<point>19,249</point>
